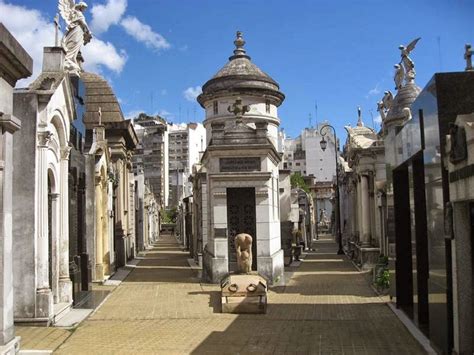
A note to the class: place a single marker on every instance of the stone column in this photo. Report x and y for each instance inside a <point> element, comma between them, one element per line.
<point>55,237</point>
<point>111,220</point>
<point>8,125</point>
<point>365,206</point>
<point>65,284</point>
<point>99,251</point>
<point>358,208</point>
<point>44,300</point>
<point>105,225</point>
<point>353,208</point>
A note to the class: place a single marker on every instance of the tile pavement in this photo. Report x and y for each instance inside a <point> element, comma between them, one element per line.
<point>161,308</point>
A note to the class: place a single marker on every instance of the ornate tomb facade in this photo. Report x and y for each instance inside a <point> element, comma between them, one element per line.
<point>237,181</point>
<point>42,283</point>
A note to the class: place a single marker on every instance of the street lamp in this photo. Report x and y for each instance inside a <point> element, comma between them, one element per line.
<point>324,144</point>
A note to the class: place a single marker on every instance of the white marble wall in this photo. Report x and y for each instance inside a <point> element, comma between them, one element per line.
<point>45,142</point>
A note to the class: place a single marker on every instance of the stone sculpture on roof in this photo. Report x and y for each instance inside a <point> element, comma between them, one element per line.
<point>77,32</point>
<point>407,62</point>
<point>468,57</point>
<point>399,76</point>
<point>385,104</point>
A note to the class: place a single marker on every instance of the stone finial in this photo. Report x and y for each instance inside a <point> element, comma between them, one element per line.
<point>468,57</point>
<point>359,120</point>
<point>239,45</point>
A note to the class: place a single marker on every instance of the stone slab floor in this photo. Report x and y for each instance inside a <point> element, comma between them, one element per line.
<point>161,308</point>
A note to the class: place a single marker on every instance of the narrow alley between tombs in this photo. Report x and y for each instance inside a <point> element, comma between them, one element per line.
<point>161,307</point>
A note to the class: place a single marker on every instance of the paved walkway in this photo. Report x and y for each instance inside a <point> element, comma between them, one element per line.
<point>326,308</point>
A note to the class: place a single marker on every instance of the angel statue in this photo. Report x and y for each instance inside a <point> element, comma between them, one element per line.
<point>399,76</point>
<point>77,32</point>
<point>385,104</point>
<point>407,61</point>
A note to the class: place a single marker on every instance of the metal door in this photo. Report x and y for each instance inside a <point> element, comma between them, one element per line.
<point>241,219</point>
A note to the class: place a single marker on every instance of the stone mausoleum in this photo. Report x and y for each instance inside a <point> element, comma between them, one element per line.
<point>238,179</point>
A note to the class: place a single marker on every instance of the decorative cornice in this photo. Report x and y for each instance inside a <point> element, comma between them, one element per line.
<point>9,123</point>
<point>15,62</point>
<point>43,139</point>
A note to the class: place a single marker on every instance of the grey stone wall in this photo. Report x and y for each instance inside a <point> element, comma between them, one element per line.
<point>24,177</point>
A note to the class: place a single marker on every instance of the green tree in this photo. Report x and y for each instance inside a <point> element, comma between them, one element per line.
<point>296,180</point>
<point>169,216</point>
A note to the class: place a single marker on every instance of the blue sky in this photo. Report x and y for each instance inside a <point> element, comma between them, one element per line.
<point>338,53</point>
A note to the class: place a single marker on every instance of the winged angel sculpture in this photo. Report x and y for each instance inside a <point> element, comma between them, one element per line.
<point>77,32</point>
<point>385,104</point>
<point>406,68</point>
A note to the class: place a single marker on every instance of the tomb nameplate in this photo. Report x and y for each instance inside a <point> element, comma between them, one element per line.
<point>228,165</point>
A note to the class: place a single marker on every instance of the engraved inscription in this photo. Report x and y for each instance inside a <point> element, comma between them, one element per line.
<point>239,164</point>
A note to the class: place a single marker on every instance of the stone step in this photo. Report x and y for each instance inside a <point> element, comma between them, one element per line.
<point>60,310</point>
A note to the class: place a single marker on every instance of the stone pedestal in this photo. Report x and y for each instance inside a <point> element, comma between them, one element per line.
<point>11,348</point>
<point>244,294</point>
<point>99,272</point>
<point>272,267</point>
<point>366,257</point>
<point>44,305</point>
<point>214,269</point>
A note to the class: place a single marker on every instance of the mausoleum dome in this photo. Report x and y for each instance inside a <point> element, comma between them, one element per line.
<point>99,94</point>
<point>241,76</point>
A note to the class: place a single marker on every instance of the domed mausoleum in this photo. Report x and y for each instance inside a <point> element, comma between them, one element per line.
<point>236,187</point>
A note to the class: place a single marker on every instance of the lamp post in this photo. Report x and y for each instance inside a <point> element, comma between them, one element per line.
<point>324,144</point>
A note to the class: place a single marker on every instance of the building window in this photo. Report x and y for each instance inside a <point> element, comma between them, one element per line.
<point>267,106</point>
<point>216,109</point>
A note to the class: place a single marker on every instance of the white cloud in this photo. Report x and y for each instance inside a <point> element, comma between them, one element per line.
<point>378,119</point>
<point>165,114</point>
<point>374,91</point>
<point>99,53</point>
<point>133,114</point>
<point>144,33</point>
<point>104,16</point>
<point>31,29</point>
<point>192,93</point>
